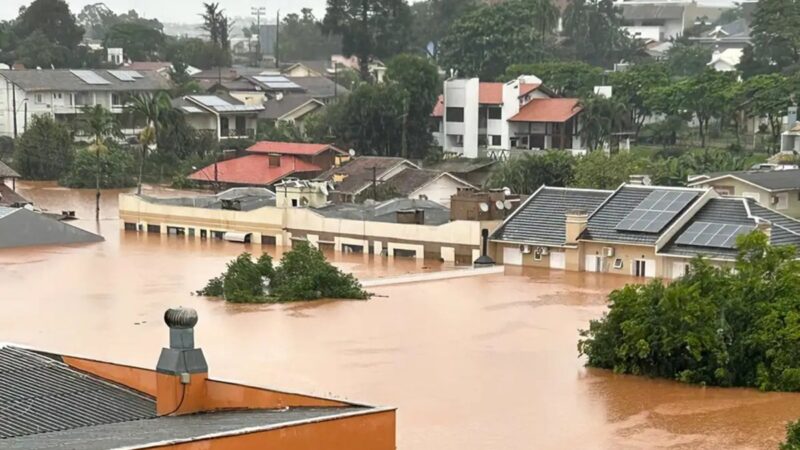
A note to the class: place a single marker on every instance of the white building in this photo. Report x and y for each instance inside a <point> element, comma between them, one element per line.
<point>662,20</point>
<point>790,139</point>
<point>222,115</point>
<point>62,94</point>
<point>480,118</point>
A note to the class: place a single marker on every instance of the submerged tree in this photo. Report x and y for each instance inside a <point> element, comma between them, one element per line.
<point>45,151</point>
<point>101,125</point>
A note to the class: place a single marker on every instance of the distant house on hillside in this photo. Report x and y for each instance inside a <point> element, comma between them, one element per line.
<point>63,93</point>
<point>224,116</point>
<point>661,21</point>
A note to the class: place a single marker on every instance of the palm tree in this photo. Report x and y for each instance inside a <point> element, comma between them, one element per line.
<point>101,125</point>
<point>152,108</point>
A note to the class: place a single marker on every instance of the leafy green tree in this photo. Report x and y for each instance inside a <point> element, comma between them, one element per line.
<point>566,79</point>
<point>279,131</point>
<point>420,81</point>
<point>100,124</point>
<point>45,151</point>
<point>769,96</point>
<point>139,41</point>
<point>431,20</point>
<point>792,441</point>
<point>305,274</point>
<point>775,40</point>
<point>369,28</point>
<point>632,87</point>
<point>525,174</point>
<point>600,171</point>
<point>116,168</point>
<point>714,326</point>
<point>51,17</point>
<point>602,119</point>
<point>486,40</point>
<point>193,51</point>
<point>217,25</point>
<point>592,30</point>
<point>37,50</point>
<point>687,59</point>
<point>302,38</point>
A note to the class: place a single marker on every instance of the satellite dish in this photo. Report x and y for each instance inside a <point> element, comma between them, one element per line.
<point>506,191</point>
<point>484,207</point>
<point>499,204</point>
<point>508,204</point>
<point>351,152</point>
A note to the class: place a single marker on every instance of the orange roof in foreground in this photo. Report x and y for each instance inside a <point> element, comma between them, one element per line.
<point>525,88</point>
<point>438,108</point>
<point>253,170</point>
<point>548,110</point>
<point>290,148</point>
<point>490,93</point>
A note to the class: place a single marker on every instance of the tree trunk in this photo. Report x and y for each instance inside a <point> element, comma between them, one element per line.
<point>141,170</point>
<point>97,182</point>
<point>702,130</point>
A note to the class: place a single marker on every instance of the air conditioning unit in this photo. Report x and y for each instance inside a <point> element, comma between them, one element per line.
<point>525,249</point>
<point>608,251</point>
<point>544,251</point>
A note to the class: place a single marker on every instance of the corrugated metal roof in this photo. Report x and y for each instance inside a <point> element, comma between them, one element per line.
<point>40,395</point>
<point>602,224</point>
<point>541,219</point>
<point>65,80</point>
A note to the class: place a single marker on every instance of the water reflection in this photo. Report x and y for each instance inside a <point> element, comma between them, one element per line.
<point>481,363</point>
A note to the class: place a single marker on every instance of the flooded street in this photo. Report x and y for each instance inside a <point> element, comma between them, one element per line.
<point>471,364</point>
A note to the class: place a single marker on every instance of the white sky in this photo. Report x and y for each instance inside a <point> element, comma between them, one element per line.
<point>181,11</point>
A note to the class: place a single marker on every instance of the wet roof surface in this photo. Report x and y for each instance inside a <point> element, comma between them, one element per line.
<point>248,199</point>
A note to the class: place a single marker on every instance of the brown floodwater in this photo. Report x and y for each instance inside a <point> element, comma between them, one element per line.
<point>477,363</point>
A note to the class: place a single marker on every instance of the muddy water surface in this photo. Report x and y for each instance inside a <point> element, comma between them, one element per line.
<point>479,363</point>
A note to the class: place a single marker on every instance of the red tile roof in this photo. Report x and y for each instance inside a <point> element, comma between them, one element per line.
<point>253,170</point>
<point>438,109</point>
<point>291,148</point>
<point>525,88</point>
<point>490,94</point>
<point>547,110</point>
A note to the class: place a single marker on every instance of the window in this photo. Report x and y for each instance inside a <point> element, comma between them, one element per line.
<point>495,112</point>
<point>454,114</point>
<point>116,100</point>
<point>781,201</point>
<point>639,268</point>
<point>224,126</point>
<point>496,140</point>
<point>459,139</point>
<point>294,203</point>
<point>58,95</point>
<point>39,98</point>
<point>618,263</point>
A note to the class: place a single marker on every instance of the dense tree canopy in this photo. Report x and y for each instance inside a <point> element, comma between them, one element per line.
<point>775,40</point>
<point>688,59</point>
<point>302,38</point>
<point>432,20</point>
<point>369,28</point>
<point>139,41</point>
<point>567,78</point>
<point>44,151</point>
<point>525,174</point>
<point>593,33</point>
<point>419,80</point>
<point>714,326</point>
<point>633,86</point>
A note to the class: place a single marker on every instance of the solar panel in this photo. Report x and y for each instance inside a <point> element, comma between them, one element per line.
<point>276,82</point>
<point>89,77</point>
<point>134,74</point>
<point>121,75</point>
<point>210,100</point>
<point>656,211</point>
<point>708,234</point>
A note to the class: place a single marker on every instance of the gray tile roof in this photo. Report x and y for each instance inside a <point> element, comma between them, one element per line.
<point>275,109</point>
<point>541,219</point>
<point>39,395</point>
<point>435,214</point>
<point>602,224</point>
<point>409,180</point>
<point>359,172</point>
<point>730,210</point>
<point>161,429</point>
<point>7,172</point>
<point>320,87</point>
<point>20,227</point>
<point>66,81</point>
<point>9,197</point>
<point>772,180</point>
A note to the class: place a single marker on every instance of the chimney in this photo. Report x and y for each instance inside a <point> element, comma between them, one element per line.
<point>576,220</point>
<point>274,160</point>
<point>181,372</point>
<point>765,227</point>
<point>484,260</point>
<point>411,216</point>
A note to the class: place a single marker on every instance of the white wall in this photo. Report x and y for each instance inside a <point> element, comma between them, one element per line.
<point>439,191</point>
<point>462,93</point>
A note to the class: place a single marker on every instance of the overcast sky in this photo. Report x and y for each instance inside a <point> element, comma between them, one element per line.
<point>177,10</point>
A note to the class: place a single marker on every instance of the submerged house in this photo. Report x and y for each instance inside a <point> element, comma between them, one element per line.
<point>21,227</point>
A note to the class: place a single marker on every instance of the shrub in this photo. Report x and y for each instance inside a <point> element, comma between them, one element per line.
<point>117,169</point>
<point>714,326</point>
<point>792,441</point>
<point>44,151</point>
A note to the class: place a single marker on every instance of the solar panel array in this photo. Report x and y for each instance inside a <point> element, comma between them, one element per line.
<point>89,77</point>
<point>210,100</point>
<point>656,211</point>
<point>708,234</point>
<point>277,82</point>
<point>125,75</point>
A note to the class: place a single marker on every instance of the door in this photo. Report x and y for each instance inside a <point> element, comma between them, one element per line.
<point>644,268</point>
<point>558,260</point>
<point>512,256</point>
<point>224,127</point>
<point>593,263</point>
<point>241,126</point>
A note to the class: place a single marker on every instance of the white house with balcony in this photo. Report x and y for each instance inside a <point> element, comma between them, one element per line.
<point>477,118</point>
<point>224,116</point>
<point>63,93</point>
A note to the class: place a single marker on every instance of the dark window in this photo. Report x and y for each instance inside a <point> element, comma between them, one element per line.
<point>154,228</point>
<point>130,226</point>
<point>241,126</point>
<point>455,114</point>
<point>224,126</point>
<point>496,140</point>
<point>495,113</point>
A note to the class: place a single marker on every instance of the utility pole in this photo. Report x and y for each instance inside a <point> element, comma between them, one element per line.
<point>258,11</point>
<point>374,182</point>
<point>278,39</point>
<point>216,176</point>
<point>14,106</point>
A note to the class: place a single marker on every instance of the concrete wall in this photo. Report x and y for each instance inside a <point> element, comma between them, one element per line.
<point>251,98</point>
<point>463,93</point>
<point>439,191</point>
<point>628,253</point>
